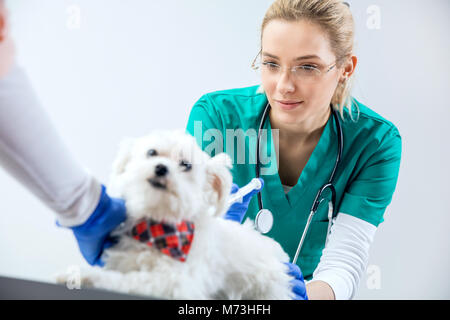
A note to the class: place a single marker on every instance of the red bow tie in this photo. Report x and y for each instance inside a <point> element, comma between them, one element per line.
<point>173,240</point>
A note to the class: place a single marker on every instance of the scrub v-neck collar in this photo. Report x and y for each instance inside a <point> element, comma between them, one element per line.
<point>283,202</point>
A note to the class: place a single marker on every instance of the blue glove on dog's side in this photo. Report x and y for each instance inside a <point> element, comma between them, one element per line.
<point>237,210</point>
<point>298,283</point>
<point>93,235</point>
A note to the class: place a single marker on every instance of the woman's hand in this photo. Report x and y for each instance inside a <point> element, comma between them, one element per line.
<point>7,51</point>
<point>238,209</point>
<point>298,283</point>
<point>94,235</point>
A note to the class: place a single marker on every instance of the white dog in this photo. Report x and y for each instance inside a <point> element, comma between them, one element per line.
<point>165,177</point>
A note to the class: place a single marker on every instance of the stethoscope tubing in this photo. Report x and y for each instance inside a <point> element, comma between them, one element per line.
<point>258,140</point>
<point>329,185</point>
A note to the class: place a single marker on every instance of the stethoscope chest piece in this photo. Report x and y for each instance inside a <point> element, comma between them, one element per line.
<point>264,221</point>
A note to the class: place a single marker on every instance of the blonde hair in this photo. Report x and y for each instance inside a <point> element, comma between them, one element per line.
<point>335,18</point>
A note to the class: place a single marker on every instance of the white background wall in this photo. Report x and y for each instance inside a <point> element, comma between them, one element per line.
<point>126,68</point>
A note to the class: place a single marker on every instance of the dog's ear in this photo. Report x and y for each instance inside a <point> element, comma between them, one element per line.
<point>118,167</point>
<point>219,182</point>
<point>123,156</point>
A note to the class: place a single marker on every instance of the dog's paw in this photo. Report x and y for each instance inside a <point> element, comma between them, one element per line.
<point>75,278</point>
<point>60,278</point>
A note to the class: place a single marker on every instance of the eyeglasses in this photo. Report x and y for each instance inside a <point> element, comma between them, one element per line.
<point>307,72</point>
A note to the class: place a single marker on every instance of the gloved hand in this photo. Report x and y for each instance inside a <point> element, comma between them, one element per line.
<point>237,210</point>
<point>298,284</point>
<point>93,235</point>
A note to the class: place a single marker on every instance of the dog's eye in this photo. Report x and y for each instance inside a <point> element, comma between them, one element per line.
<point>152,153</point>
<point>187,166</point>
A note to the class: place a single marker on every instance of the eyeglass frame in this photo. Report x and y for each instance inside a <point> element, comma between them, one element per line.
<point>321,73</point>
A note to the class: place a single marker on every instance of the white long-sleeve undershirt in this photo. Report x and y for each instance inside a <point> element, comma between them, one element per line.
<point>345,257</point>
<point>32,151</point>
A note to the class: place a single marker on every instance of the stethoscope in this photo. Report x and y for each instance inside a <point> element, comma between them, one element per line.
<point>264,218</point>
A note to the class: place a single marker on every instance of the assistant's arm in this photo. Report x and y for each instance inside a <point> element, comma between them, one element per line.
<point>32,152</point>
<point>30,148</point>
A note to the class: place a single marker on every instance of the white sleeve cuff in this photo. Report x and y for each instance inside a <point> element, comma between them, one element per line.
<point>342,289</point>
<point>84,199</point>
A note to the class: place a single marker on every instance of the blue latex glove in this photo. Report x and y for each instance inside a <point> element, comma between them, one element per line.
<point>93,235</point>
<point>298,283</point>
<point>237,210</point>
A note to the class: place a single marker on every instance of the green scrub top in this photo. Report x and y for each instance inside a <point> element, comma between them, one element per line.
<point>365,180</point>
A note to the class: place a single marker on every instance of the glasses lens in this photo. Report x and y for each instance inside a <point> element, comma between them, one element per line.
<point>304,73</point>
<point>307,73</point>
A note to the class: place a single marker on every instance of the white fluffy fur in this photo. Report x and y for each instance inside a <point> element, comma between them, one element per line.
<point>226,261</point>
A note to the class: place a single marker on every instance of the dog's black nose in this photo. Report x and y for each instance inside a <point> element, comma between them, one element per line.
<point>161,170</point>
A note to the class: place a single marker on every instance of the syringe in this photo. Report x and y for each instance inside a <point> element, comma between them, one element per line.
<point>254,184</point>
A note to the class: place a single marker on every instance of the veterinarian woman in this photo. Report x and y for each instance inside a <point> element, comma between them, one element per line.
<point>307,65</point>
